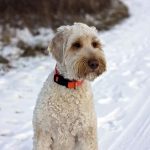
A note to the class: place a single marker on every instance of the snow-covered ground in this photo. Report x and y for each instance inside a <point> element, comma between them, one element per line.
<point>122,95</point>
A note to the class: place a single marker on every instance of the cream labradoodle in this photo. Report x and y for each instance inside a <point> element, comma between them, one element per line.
<point>64,116</point>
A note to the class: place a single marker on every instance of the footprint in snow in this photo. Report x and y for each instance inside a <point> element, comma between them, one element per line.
<point>110,121</point>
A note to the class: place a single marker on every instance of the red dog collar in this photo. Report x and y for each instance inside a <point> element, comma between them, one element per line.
<point>71,84</point>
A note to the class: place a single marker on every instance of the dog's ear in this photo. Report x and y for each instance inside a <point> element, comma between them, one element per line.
<point>56,46</point>
<point>58,43</point>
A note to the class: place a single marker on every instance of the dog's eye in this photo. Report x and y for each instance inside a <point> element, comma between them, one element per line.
<point>77,45</point>
<point>95,44</point>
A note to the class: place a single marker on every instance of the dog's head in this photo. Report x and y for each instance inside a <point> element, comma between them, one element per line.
<point>79,50</point>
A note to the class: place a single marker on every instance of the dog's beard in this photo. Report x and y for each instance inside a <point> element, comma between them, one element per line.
<point>79,70</point>
<point>91,76</point>
<point>85,73</point>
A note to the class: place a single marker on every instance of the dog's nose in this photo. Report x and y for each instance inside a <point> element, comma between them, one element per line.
<point>93,63</point>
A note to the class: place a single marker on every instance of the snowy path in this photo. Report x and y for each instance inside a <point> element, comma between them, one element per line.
<point>122,97</point>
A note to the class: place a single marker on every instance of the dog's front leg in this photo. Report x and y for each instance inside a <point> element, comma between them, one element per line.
<point>42,141</point>
<point>87,140</point>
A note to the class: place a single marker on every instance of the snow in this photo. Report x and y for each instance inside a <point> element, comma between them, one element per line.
<point>19,39</point>
<point>42,39</point>
<point>121,95</point>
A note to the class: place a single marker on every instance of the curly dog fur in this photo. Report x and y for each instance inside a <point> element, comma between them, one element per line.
<point>65,119</point>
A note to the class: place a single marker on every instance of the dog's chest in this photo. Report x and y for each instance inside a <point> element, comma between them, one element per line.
<point>71,104</point>
<point>76,115</point>
<point>74,108</point>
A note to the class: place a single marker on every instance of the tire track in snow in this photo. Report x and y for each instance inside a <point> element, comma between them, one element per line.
<point>132,138</point>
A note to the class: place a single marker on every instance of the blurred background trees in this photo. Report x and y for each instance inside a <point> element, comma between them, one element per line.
<point>53,13</point>
<point>25,25</point>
